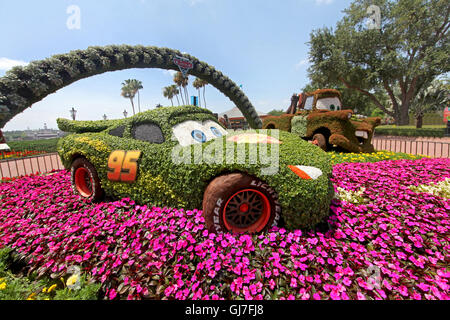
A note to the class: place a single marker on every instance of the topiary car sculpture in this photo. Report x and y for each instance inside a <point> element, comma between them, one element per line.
<point>318,117</point>
<point>244,181</point>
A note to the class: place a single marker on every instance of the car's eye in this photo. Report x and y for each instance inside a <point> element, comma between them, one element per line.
<point>216,132</point>
<point>332,107</point>
<point>198,136</point>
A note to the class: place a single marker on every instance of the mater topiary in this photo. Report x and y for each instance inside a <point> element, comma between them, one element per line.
<point>162,181</point>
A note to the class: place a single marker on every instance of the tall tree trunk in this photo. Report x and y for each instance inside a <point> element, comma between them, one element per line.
<point>186,94</point>
<point>181,95</point>
<point>419,121</point>
<point>176,96</point>
<point>204,99</point>
<point>199,97</point>
<point>132,105</point>
<point>171,101</point>
<point>139,101</point>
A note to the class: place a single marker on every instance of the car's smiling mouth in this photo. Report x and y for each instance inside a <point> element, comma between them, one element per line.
<point>362,136</point>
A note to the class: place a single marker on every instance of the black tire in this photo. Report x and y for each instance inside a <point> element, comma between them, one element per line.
<point>85,180</point>
<point>240,203</point>
<point>321,141</point>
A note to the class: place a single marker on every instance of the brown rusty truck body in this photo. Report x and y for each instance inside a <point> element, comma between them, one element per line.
<point>318,117</point>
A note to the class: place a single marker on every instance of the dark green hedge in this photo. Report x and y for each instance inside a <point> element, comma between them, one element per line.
<point>47,145</point>
<point>411,132</point>
<point>163,183</point>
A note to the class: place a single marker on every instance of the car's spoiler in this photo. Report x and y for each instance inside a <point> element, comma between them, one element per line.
<point>67,125</point>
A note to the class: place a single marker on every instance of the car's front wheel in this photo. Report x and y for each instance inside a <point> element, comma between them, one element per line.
<point>85,180</point>
<point>240,203</point>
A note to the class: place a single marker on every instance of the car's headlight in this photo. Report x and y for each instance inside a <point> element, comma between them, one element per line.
<point>306,172</point>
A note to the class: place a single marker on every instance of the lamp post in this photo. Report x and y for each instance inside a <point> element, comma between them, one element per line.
<point>73,113</point>
<point>125,113</point>
<point>105,117</point>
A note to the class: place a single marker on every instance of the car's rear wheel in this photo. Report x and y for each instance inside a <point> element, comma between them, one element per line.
<point>85,180</point>
<point>240,203</point>
<point>320,140</point>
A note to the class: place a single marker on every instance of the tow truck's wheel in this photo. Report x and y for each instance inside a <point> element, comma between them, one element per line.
<point>240,203</point>
<point>319,140</point>
<point>85,180</point>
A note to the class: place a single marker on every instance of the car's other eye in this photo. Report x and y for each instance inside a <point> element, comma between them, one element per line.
<point>148,132</point>
<point>198,136</point>
<point>216,131</point>
<point>332,107</point>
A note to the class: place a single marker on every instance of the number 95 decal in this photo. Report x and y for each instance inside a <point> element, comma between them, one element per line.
<point>123,166</point>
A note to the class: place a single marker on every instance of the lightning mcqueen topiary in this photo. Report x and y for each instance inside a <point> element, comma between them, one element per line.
<point>245,181</point>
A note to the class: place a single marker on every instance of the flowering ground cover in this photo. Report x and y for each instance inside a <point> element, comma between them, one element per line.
<point>19,154</point>
<point>341,157</point>
<point>386,240</point>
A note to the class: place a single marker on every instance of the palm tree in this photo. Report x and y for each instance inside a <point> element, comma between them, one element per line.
<point>168,93</point>
<point>203,85</point>
<point>176,92</point>
<point>133,86</point>
<point>138,86</point>
<point>128,92</point>
<point>182,82</point>
<point>197,85</point>
<point>178,79</point>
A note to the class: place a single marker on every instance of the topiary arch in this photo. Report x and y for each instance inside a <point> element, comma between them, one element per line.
<point>23,86</point>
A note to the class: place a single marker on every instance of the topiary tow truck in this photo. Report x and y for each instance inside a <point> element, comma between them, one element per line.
<point>318,117</point>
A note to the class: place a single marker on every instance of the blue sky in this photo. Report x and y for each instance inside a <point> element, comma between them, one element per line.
<point>261,44</point>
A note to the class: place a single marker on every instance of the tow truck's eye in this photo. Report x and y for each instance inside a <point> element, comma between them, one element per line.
<point>198,136</point>
<point>216,132</point>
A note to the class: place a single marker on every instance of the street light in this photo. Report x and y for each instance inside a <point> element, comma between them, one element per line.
<point>125,113</point>
<point>73,113</point>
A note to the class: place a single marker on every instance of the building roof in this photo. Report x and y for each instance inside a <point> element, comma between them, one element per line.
<point>236,113</point>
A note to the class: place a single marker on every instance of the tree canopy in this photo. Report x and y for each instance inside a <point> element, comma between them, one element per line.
<point>406,48</point>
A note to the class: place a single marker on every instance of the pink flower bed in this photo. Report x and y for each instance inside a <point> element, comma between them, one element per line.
<point>394,247</point>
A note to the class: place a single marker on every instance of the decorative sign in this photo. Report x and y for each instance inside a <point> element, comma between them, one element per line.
<point>183,64</point>
<point>446,114</point>
<point>123,166</point>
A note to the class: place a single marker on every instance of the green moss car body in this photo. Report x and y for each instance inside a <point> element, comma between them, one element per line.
<point>233,169</point>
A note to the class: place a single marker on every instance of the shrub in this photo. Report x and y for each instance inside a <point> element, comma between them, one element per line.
<point>45,145</point>
<point>410,132</point>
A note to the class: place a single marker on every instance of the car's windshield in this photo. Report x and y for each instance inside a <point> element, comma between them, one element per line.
<point>331,103</point>
<point>190,132</point>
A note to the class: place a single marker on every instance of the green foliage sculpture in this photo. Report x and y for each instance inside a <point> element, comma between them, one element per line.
<point>23,86</point>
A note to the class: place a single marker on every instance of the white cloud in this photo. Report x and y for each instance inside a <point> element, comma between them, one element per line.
<point>320,2</point>
<point>169,72</point>
<point>302,63</point>
<point>6,64</point>
<point>194,2</point>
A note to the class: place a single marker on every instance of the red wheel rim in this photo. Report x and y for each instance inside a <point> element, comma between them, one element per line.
<point>83,182</point>
<point>247,210</point>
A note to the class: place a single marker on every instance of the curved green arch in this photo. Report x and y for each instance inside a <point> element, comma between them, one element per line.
<point>23,86</point>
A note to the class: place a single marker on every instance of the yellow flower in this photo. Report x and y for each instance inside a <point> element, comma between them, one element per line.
<point>31,296</point>
<point>72,279</point>
<point>44,290</point>
<point>51,288</point>
<point>3,286</point>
